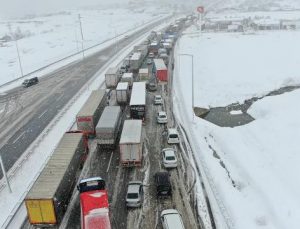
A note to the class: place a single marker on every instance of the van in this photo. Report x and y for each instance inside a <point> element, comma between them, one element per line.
<point>170,218</point>
<point>173,136</point>
<point>163,184</point>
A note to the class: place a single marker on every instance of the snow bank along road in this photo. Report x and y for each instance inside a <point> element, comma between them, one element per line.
<point>35,107</point>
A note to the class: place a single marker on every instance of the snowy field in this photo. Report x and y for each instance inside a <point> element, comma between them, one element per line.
<point>243,66</point>
<point>252,169</point>
<point>46,39</point>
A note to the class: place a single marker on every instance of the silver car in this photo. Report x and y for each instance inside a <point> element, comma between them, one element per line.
<point>162,117</point>
<point>134,195</point>
<point>158,100</point>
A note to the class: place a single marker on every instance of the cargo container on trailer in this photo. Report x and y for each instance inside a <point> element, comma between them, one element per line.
<point>160,70</point>
<point>47,200</point>
<point>138,100</point>
<point>108,127</point>
<point>131,143</point>
<point>112,77</point>
<point>135,61</point>
<point>143,49</point>
<point>122,93</point>
<point>89,114</point>
<point>143,74</point>
<point>127,77</point>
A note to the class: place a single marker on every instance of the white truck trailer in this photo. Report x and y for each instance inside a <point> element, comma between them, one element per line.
<point>112,77</point>
<point>131,143</point>
<point>135,62</point>
<point>122,93</point>
<point>108,127</point>
<point>127,77</point>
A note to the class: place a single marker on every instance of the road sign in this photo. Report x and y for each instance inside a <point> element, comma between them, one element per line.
<point>200,9</point>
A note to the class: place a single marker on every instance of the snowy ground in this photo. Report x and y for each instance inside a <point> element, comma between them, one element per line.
<point>251,169</point>
<point>52,37</point>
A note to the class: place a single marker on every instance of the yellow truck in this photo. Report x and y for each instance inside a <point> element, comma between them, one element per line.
<point>48,198</point>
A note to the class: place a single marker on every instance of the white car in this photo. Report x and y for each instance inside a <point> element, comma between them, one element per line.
<point>134,195</point>
<point>162,117</point>
<point>170,218</point>
<point>173,136</point>
<point>169,158</point>
<point>158,100</point>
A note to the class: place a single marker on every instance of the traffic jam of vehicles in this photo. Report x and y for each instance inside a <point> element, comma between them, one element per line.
<point>115,119</point>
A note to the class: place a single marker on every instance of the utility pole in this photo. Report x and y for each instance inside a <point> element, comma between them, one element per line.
<point>79,18</point>
<point>17,48</point>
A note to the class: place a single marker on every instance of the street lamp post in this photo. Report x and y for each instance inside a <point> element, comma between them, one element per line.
<point>190,55</point>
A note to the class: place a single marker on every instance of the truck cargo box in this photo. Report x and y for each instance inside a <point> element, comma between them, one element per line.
<point>108,127</point>
<point>112,77</point>
<point>138,100</point>
<point>160,70</point>
<point>122,93</point>
<point>131,143</point>
<point>47,200</point>
<point>144,74</point>
<point>127,77</point>
<point>89,114</point>
<point>136,61</point>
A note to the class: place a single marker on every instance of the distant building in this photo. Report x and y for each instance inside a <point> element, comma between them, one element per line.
<point>290,24</point>
<point>266,24</point>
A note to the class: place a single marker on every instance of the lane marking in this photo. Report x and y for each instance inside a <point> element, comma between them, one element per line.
<point>41,115</point>
<point>109,161</point>
<point>21,135</point>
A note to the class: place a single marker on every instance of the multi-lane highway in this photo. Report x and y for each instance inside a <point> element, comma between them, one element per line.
<point>31,109</point>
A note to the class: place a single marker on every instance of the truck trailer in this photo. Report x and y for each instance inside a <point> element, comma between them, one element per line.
<point>135,62</point>
<point>138,100</point>
<point>108,127</point>
<point>122,93</point>
<point>47,200</point>
<point>144,74</point>
<point>89,114</point>
<point>127,77</point>
<point>160,70</point>
<point>112,77</point>
<point>131,143</point>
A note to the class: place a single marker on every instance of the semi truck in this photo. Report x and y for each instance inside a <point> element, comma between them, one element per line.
<point>108,127</point>
<point>135,62</point>
<point>127,77</point>
<point>131,143</point>
<point>138,100</point>
<point>122,93</point>
<point>143,74</point>
<point>112,77</point>
<point>94,204</point>
<point>160,70</point>
<point>47,200</point>
<point>89,114</point>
